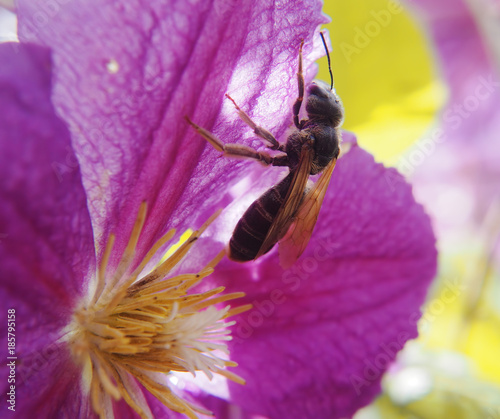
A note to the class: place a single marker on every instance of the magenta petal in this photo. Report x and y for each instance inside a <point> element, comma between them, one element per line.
<point>46,244</point>
<point>127,78</point>
<point>48,386</point>
<point>321,334</point>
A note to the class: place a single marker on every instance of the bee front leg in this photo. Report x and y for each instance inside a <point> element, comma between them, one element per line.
<point>263,133</point>
<point>207,135</point>
<point>300,98</point>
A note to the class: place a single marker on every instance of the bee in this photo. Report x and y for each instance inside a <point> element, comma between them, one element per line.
<point>288,211</point>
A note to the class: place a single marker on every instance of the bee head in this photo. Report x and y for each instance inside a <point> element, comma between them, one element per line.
<point>323,104</point>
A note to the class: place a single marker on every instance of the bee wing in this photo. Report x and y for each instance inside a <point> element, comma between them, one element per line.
<point>291,202</point>
<point>298,235</point>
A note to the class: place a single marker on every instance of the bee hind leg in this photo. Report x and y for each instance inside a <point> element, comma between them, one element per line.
<point>263,133</point>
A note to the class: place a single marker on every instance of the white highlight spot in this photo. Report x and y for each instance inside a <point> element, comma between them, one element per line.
<point>409,385</point>
<point>8,26</point>
<point>112,66</point>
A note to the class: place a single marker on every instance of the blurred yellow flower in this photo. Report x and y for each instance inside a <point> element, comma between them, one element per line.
<point>384,73</point>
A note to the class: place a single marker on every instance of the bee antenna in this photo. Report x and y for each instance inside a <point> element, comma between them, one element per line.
<point>328,57</point>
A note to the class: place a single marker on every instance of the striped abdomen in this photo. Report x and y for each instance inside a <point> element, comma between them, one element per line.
<point>250,232</point>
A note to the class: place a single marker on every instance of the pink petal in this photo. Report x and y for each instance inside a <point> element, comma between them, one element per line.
<point>125,82</point>
<point>468,70</point>
<point>46,248</point>
<point>456,165</point>
<point>321,334</point>
<point>48,385</point>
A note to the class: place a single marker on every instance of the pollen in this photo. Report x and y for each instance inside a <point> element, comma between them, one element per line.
<point>136,327</point>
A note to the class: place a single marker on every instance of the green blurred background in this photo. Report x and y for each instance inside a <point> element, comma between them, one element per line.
<point>388,77</point>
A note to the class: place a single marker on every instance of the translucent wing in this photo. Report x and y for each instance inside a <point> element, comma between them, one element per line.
<point>297,237</point>
<point>291,203</point>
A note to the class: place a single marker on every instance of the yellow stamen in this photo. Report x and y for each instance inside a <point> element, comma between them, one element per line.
<point>176,257</point>
<point>153,251</point>
<point>229,375</point>
<point>136,326</point>
<point>101,274</point>
<point>128,254</point>
<point>216,259</point>
<point>238,310</point>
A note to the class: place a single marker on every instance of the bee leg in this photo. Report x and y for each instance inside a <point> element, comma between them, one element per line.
<point>239,150</point>
<point>300,98</point>
<point>263,133</point>
<point>207,135</point>
<point>242,151</point>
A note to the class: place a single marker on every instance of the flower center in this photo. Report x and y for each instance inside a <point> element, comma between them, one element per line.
<point>134,327</point>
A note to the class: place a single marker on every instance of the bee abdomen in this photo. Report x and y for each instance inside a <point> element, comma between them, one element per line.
<point>251,231</point>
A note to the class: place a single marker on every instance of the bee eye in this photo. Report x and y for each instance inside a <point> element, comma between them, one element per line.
<point>315,89</point>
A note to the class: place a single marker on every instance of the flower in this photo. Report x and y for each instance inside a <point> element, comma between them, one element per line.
<point>337,318</point>
<point>111,322</point>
